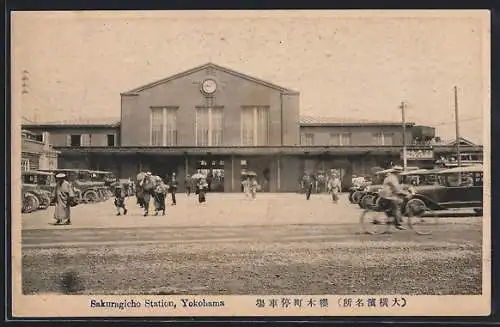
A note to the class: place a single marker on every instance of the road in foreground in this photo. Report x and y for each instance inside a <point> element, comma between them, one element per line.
<point>277,244</point>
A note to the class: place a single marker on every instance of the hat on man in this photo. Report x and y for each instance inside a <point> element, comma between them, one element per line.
<point>61,175</point>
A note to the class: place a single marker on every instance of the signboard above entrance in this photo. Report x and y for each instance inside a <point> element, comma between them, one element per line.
<point>419,154</point>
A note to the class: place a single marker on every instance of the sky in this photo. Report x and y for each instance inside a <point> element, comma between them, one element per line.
<point>353,65</point>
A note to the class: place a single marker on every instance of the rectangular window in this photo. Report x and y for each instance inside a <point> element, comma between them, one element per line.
<point>340,139</point>
<point>111,139</point>
<point>209,126</point>
<point>164,126</point>
<point>255,125</point>
<point>86,139</point>
<point>309,139</point>
<point>384,138</point>
<point>75,140</point>
<point>171,126</point>
<point>157,126</point>
<point>25,164</point>
<point>388,138</point>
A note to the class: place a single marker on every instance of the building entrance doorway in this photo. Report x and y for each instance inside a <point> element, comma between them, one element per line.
<point>213,169</point>
<point>164,166</point>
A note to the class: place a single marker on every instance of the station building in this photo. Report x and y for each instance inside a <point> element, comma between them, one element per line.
<point>216,119</point>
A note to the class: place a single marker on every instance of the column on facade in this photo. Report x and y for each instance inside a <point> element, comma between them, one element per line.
<point>273,174</point>
<point>232,174</point>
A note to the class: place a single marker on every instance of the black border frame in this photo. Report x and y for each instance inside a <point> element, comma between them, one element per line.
<point>494,8</point>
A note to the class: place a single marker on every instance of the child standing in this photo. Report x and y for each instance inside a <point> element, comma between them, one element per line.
<point>120,200</point>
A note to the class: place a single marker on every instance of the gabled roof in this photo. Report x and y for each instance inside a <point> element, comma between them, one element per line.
<point>214,66</point>
<point>338,121</point>
<point>463,141</point>
<point>94,121</point>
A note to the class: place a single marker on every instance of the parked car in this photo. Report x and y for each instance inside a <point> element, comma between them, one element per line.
<point>40,184</point>
<point>455,188</point>
<point>109,180</point>
<point>86,190</point>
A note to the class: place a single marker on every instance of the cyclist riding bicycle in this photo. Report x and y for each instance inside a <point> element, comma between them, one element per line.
<point>393,192</point>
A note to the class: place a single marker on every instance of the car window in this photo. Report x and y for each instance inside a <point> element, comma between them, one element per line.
<point>453,180</point>
<point>43,180</point>
<point>478,179</point>
<point>29,179</point>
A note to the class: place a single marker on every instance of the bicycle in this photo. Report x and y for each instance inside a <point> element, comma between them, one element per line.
<point>413,212</point>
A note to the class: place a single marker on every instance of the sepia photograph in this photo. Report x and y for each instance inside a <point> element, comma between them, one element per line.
<point>329,162</point>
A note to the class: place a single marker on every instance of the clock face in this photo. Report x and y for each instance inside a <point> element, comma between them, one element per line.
<point>209,86</point>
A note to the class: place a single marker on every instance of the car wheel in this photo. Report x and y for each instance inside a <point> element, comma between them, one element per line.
<point>361,202</point>
<point>91,196</point>
<point>368,201</point>
<point>44,201</point>
<point>356,196</point>
<point>30,203</point>
<point>414,207</point>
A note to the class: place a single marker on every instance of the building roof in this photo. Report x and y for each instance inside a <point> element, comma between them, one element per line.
<point>462,141</point>
<point>216,67</point>
<point>336,121</point>
<point>83,121</point>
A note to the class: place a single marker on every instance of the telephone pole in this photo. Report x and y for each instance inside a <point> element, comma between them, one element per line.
<point>457,128</point>
<point>403,118</point>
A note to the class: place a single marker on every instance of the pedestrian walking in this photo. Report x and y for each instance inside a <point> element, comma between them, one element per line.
<point>201,189</point>
<point>160,193</point>
<point>120,200</point>
<point>173,188</point>
<point>334,187</point>
<point>188,183</point>
<point>253,187</point>
<point>64,197</point>
<point>308,185</point>
<point>246,186</point>
<point>145,190</point>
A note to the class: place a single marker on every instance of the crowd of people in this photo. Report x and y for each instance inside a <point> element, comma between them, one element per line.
<point>147,187</point>
<point>332,182</point>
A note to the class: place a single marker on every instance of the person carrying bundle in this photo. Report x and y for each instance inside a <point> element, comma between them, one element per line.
<point>160,192</point>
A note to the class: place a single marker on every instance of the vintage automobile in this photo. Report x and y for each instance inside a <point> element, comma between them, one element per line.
<point>359,184</point>
<point>368,196</point>
<point>85,189</point>
<point>40,184</point>
<point>455,188</point>
<point>109,180</point>
<point>409,179</point>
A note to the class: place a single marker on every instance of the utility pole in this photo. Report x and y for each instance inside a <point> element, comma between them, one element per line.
<point>403,118</point>
<point>457,128</point>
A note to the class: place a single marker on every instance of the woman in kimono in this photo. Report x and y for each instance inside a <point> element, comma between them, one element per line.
<point>64,196</point>
<point>160,193</point>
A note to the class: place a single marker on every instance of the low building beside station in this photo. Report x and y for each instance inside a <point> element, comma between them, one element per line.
<point>212,118</point>
<point>36,152</point>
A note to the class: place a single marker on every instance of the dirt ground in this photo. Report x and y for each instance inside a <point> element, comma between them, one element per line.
<point>277,244</point>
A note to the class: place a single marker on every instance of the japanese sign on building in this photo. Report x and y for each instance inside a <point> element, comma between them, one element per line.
<point>419,154</point>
